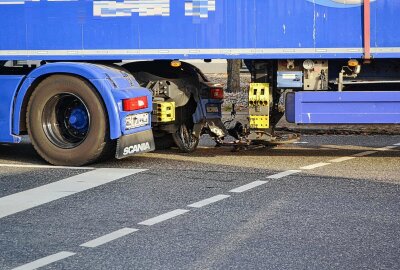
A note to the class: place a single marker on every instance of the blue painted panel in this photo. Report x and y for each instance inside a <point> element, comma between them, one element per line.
<point>201,111</point>
<point>347,107</point>
<point>385,24</point>
<point>122,29</point>
<point>9,85</point>
<point>99,76</point>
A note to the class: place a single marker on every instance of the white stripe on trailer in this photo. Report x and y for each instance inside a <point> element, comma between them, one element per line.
<point>193,51</point>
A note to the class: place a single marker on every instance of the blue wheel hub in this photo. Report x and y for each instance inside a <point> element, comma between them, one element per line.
<point>66,120</point>
<point>79,119</point>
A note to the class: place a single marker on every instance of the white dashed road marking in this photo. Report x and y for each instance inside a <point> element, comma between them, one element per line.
<point>44,194</point>
<point>313,166</point>
<point>108,237</point>
<point>208,201</point>
<point>248,186</point>
<point>363,154</point>
<point>163,217</point>
<point>283,174</point>
<point>37,196</point>
<point>336,160</point>
<point>45,261</point>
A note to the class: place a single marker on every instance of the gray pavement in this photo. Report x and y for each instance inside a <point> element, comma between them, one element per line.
<point>328,202</point>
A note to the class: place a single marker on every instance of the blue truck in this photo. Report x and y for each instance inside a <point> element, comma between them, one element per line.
<point>66,79</point>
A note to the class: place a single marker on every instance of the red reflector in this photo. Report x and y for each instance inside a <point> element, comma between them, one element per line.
<point>217,93</point>
<point>134,104</point>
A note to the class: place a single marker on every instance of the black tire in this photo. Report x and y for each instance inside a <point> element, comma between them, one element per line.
<point>54,135</point>
<point>164,142</point>
<point>185,139</point>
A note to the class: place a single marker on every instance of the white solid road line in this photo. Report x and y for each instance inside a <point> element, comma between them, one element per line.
<point>108,237</point>
<point>37,196</point>
<point>341,159</point>
<point>45,261</point>
<point>390,147</point>
<point>45,166</point>
<point>248,186</point>
<point>386,148</point>
<point>313,166</point>
<point>363,154</point>
<point>397,144</point>
<point>163,217</point>
<point>283,174</point>
<point>208,201</point>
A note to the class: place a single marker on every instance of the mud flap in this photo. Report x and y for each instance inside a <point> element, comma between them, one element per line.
<point>136,143</point>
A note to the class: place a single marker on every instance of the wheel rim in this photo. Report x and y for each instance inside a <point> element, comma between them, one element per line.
<point>187,138</point>
<point>66,120</point>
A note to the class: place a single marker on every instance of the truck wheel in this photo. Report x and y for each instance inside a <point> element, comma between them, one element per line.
<point>185,139</point>
<point>67,122</point>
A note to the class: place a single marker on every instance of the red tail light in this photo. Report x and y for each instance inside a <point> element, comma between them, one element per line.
<point>134,104</point>
<point>217,93</point>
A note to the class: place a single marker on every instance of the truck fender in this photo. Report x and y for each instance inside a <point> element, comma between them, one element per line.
<point>95,74</point>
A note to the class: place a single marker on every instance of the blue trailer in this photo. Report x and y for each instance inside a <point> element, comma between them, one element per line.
<point>317,61</point>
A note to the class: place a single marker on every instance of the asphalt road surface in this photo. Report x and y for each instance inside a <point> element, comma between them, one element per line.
<point>328,202</point>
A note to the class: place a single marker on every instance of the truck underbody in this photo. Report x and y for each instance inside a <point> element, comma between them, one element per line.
<point>314,62</point>
<point>185,104</point>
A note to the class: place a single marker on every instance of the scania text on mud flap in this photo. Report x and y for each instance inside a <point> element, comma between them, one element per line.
<point>135,144</point>
<point>137,148</point>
